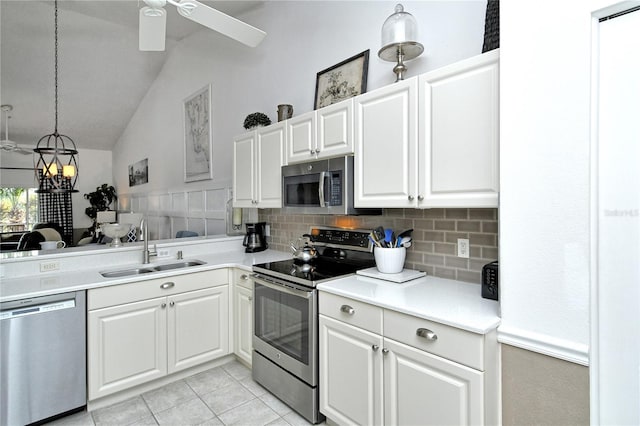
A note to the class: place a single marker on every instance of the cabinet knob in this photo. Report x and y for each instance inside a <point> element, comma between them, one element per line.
<point>375,347</point>
<point>410,197</point>
<point>172,303</point>
<point>427,334</point>
<point>347,309</point>
<point>167,285</point>
<point>385,351</point>
<point>250,298</point>
<point>244,277</point>
<point>420,197</point>
<point>164,305</point>
<point>312,152</point>
<point>317,151</point>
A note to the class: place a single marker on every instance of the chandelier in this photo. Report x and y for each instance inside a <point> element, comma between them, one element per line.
<point>56,156</point>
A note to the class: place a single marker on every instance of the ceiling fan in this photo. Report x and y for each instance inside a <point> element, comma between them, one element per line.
<point>6,144</point>
<point>153,22</point>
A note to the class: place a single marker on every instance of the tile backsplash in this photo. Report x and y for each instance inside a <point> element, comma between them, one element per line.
<point>435,236</point>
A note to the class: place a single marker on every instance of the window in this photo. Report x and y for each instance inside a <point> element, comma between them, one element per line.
<point>19,209</point>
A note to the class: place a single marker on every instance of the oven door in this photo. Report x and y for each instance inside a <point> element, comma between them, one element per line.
<point>286,326</point>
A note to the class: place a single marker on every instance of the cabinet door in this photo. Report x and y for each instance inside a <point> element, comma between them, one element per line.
<point>244,169</point>
<point>198,327</point>
<point>243,323</point>
<point>270,152</point>
<point>350,373</point>
<point>386,132</point>
<point>421,388</point>
<point>127,346</point>
<point>459,108</point>
<point>301,138</point>
<point>335,130</point>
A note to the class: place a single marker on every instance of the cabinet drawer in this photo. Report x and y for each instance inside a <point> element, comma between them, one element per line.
<point>451,343</point>
<point>141,290</point>
<point>242,278</point>
<point>351,311</point>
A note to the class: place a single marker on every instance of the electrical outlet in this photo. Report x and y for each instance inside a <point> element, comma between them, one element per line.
<point>163,253</point>
<point>463,248</point>
<point>267,230</point>
<point>49,266</point>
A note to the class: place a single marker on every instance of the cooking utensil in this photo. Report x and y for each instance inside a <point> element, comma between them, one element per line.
<point>389,238</point>
<point>378,233</point>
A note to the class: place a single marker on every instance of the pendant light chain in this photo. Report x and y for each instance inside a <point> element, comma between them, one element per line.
<point>56,64</point>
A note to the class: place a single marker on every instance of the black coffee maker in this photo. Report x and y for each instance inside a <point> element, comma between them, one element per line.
<point>255,240</point>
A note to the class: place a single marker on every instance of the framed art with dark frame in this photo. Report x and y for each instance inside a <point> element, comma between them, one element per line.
<point>342,81</point>
<point>197,136</point>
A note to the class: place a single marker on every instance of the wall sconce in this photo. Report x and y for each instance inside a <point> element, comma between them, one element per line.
<point>399,40</point>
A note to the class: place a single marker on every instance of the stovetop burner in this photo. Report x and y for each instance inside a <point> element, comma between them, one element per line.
<point>342,252</point>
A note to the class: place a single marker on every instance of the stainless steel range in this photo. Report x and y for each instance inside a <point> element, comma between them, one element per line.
<point>285,341</point>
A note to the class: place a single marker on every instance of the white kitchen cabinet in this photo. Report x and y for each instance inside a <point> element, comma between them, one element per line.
<point>459,128</point>
<point>243,315</point>
<point>378,366</point>
<point>430,141</point>
<point>350,373</point>
<point>143,331</point>
<point>257,160</point>
<point>324,133</point>
<point>386,146</point>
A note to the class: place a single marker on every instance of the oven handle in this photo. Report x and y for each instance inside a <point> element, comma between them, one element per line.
<point>321,189</point>
<point>283,288</point>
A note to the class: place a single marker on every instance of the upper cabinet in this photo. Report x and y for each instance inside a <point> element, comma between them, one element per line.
<point>257,159</point>
<point>459,130</point>
<point>325,133</point>
<point>430,141</point>
<point>386,150</point>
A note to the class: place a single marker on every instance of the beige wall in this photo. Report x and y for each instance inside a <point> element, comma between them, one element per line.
<point>542,390</point>
<point>434,242</point>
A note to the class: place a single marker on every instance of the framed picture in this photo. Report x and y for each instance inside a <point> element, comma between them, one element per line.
<point>197,136</point>
<point>139,172</point>
<point>342,81</point>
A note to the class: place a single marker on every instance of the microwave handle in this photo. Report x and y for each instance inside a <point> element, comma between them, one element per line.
<point>321,189</point>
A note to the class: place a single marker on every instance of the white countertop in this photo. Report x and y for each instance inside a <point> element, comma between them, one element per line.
<point>42,284</point>
<point>455,303</point>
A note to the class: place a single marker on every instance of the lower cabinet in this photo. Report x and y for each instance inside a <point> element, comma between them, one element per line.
<point>369,378</point>
<point>243,315</point>
<point>134,337</point>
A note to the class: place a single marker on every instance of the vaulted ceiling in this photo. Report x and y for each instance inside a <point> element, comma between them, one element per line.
<point>102,74</point>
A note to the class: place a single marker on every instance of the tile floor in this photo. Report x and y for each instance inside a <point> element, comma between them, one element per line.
<point>225,395</point>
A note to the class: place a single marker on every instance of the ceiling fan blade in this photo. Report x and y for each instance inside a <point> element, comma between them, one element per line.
<point>153,24</point>
<point>223,23</point>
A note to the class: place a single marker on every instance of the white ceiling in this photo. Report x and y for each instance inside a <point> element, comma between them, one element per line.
<point>102,77</point>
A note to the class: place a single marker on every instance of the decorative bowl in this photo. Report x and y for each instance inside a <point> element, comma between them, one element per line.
<point>115,231</point>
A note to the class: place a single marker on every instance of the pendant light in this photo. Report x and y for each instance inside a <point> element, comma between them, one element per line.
<point>56,156</point>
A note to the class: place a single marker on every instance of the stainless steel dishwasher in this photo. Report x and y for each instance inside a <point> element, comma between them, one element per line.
<point>43,357</point>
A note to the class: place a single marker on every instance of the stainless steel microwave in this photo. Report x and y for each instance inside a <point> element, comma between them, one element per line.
<point>320,187</point>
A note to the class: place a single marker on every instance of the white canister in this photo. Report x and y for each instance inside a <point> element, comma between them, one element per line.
<point>390,260</point>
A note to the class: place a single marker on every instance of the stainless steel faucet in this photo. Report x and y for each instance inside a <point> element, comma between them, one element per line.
<point>146,253</point>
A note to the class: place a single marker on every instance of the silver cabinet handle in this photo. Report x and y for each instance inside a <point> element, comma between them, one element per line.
<point>167,285</point>
<point>347,309</point>
<point>312,152</point>
<point>317,151</point>
<point>164,305</point>
<point>172,303</point>
<point>375,347</point>
<point>426,333</point>
<point>385,351</point>
<point>411,197</point>
<point>420,197</point>
<point>244,277</point>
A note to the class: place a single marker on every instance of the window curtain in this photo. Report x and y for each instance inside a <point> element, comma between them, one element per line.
<point>56,208</point>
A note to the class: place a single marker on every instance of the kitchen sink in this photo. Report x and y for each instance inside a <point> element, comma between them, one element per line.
<point>178,265</point>
<point>146,270</point>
